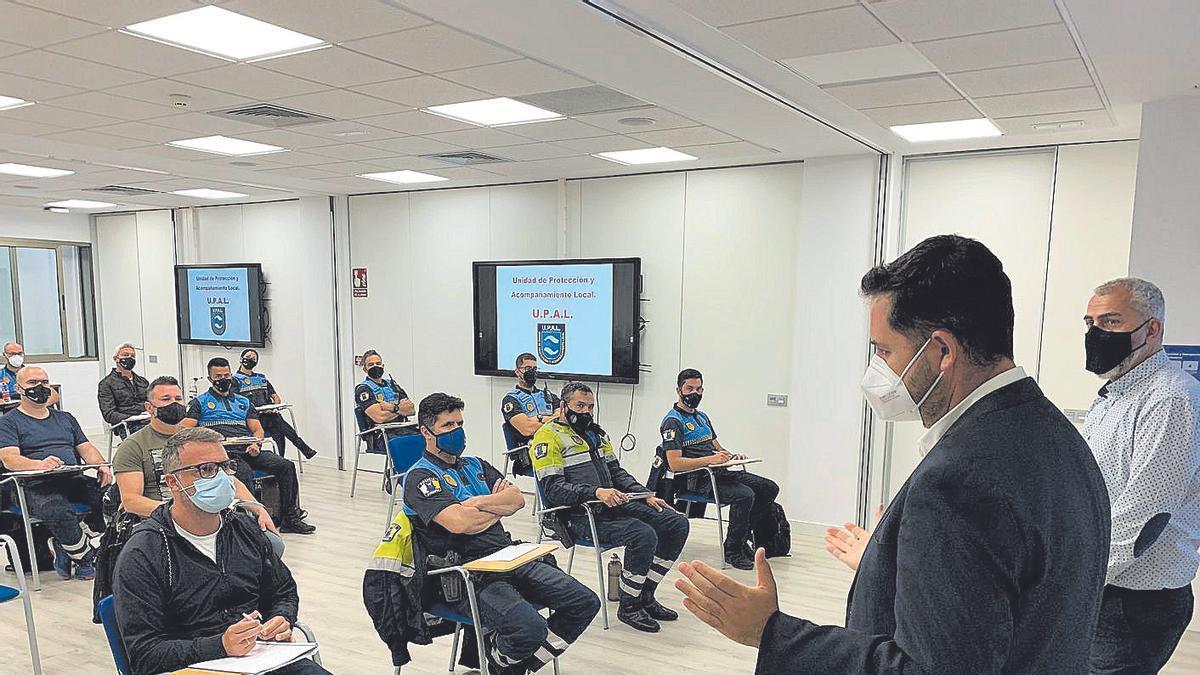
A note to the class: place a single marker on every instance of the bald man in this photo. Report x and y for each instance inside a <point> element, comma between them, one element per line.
<point>35,437</point>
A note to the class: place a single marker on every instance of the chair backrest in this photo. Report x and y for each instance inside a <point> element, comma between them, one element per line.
<point>405,451</point>
<point>14,555</point>
<point>108,618</point>
<point>361,420</point>
<point>511,439</point>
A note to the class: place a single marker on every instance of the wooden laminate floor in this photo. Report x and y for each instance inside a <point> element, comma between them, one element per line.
<point>328,567</point>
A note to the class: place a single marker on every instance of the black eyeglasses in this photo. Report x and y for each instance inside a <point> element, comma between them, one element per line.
<point>210,469</point>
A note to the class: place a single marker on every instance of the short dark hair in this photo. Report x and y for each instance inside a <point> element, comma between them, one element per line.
<point>247,351</point>
<point>217,362</point>
<point>688,374</point>
<point>161,381</point>
<point>523,357</point>
<point>952,283</point>
<point>434,405</point>
<point>369,353</point>
<point>572,388</point>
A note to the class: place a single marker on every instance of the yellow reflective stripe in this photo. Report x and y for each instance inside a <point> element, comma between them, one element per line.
<point>548,471</point>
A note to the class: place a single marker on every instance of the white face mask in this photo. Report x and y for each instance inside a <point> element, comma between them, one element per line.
<point>16,360</point>
<point>886,393</point>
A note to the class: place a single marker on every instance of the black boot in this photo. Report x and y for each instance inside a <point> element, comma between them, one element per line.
<point>657,611</point>
<point>308,452</point>
<point>739,560</point>
<point>293,523</point>
<point>631,612</point>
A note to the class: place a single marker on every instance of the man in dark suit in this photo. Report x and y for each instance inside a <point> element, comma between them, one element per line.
<point>992,556</point>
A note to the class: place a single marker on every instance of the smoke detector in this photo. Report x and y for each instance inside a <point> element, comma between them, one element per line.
<point>180,100</point>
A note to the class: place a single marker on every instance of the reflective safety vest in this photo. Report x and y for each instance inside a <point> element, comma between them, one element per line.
<point>557,449</point>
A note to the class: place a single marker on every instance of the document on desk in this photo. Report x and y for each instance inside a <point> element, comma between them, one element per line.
<point>265,657</point>
<point>737,462</point>
<point>509,553</point>
<point>639,495</point>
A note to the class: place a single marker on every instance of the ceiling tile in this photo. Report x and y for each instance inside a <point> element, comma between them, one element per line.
<point>663,119</point>
<point>114,13</point>
<point>1020,79</point>
<point>146,133</point>
<point>355,168</point>
<point>249,81</point>
<point>92,138</point>
<point>735,150</point>
<point>339,104</point>
<point>37,28</point>
<point>302,172</point>
<point>872,63</point>
<point>32,90</point>
<point>422,91</point>
<point>414,145</point>
<point>1092,119</point>
<point>566,167</point>
<point>413,163</point>
<point>59,117</point>
<point>68,70</point>
<point>1005,48</point>
<point>190,124</point>
<point>835,30</point>
<point>350,152</point>
<point>516,78</point>
<point>309,157</point>
<point>172,152</point>
<point>724,12</point>
<point>20,127</point>
<point>10,48</point>
<point>331,21</point>
<point>159,91</point>
<point>675,138</point>
<point>126,51</point>
<point>468,172</point>
<point>479,138</point>
<point>534,151</point>
<point>337,67</point>
<point>605,144</point>
<point>286,138</point>
<point>923,112</point>
<point>415,122</point>
<point>900,91</point>
<point>125,109</point>
<point>432,49</point>
<point>345,132</point>
<point>556,130</point>
<point>916,20</point>
<point>1041,102</point>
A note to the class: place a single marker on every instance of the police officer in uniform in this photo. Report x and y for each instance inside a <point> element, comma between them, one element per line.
<point>690,442</point>
<point>575,463</point>
<point>260,391</point>
<point>232,415</point>
<point>381,400</point>
<point>456,504</point>
<point>526,408</point>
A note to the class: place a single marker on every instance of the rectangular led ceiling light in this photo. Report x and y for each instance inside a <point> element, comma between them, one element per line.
<point>645,156</point>
<point>224,145</point>
<point>8,103</point>
<point>403,177</point>
<point>220,32</point>
<point>33,171</point>
<point>946,131</point>
<point>207,193</point>
<point>79,204</point>
<point>493,112</point>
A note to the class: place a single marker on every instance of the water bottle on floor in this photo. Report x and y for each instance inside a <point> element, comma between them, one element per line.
<point>614,576</point>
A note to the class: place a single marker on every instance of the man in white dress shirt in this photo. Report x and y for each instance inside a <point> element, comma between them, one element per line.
<point>1144,429</point>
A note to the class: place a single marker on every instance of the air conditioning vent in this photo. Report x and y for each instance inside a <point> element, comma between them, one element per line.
<point>123,190</point>
<point>465,158</point>
<point>270,115</point>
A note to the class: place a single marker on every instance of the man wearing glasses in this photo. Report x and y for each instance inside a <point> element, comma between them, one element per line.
<point>14,359</point>
<point>197,580</point>
<point>34,438</point>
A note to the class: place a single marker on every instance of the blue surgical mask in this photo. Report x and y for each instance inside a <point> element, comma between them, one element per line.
<point>213,495</point>
<point>452,442</point>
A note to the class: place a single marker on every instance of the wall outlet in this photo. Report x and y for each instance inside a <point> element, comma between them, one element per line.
<point>152,358</point>
<point>777,400</point>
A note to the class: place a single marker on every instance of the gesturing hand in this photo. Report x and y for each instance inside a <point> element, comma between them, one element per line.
<point>737,611</point>
<point>848,542</point>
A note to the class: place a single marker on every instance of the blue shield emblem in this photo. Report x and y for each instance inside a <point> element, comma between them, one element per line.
<point>216,316</point>
<point>552,342</point>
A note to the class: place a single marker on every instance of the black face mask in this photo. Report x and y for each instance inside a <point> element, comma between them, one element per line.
<point>529,377</point>
<point>375,372</point>
<point>249,363</point>
<point>223,385</point>
<point>692,400</point>
<point>1107,349</point>
<point>38,394</point>
<point>580,422</point>
<point>127,363</point>
<point>172,413</point>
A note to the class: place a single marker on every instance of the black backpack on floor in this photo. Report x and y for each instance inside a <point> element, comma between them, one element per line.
<point>773,533</point>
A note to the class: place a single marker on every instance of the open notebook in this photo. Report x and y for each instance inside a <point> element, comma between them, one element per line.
<point>265,657</point>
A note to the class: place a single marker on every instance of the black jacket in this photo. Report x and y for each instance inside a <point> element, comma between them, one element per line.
<point>990,559</point>
<point>119,397</point>
<point>173,603</point>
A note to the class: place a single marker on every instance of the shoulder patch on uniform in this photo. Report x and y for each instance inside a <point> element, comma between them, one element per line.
<point>529,406</point>
<point>541,450</point>
<point>691,427</point>
<point>212,406</point>
<point>379,397</point>
<point>449,480</point>
<point>429,487</point>
<point>668,434</point>
<point>508,407</point>
<point>658,461</point>
<point>576,440</point>
<point>364,395</point>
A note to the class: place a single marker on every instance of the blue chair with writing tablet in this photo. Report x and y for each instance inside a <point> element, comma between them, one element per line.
<point>21,592</point>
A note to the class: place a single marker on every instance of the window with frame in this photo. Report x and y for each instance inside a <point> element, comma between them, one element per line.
<point>47,299</point>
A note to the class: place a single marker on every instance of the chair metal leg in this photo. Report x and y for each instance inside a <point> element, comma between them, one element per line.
<point>354,473</point>
<point>10,548</point>
<point>600,589</point>
<point>712,477</point>
<point>299,455</point>
<point>454,646</point>
<point>26,517</point>
<point>570,559</point>
<point>391,503</point>
<point>110,444</point>
<point>483,665</point>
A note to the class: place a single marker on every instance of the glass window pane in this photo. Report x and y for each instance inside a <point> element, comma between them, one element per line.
<point>73,300</point>
<point>8,321</point>
<point>37,279</point>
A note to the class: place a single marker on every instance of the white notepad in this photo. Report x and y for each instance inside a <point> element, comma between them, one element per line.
<point>509,553</point>
<point>265,657</point>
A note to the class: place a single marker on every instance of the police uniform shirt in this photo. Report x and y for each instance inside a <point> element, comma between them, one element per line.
<point>255,387</point>
<point>8,382</point>
<point>227,415</point>
<point>55,436</point>
<point>521,402</point>
<point>368,393</point>
<point>693,433</point>
<point>432,485</point>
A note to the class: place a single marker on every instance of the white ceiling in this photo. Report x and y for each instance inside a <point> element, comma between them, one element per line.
<point>102,97</point>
